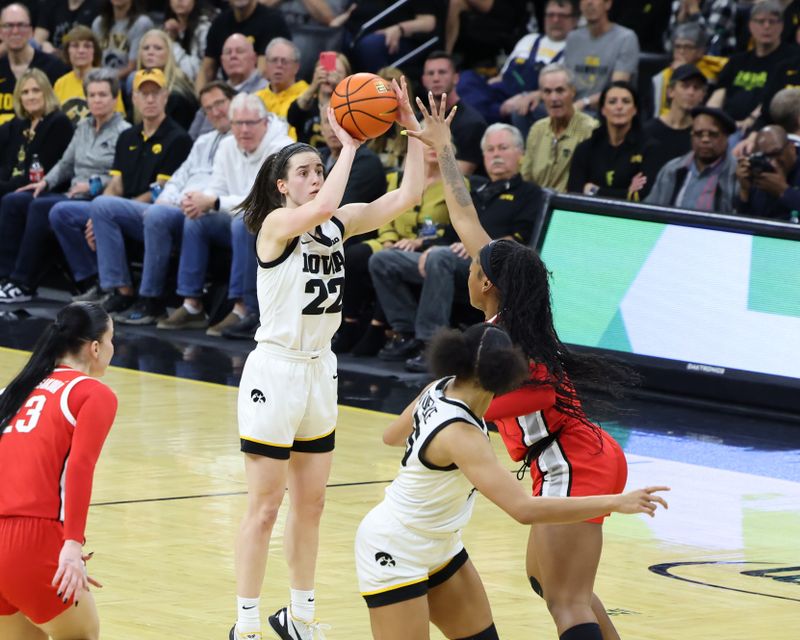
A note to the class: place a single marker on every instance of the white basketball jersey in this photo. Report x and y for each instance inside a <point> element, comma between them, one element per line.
<point>300,293</point>
<point>425,497</point>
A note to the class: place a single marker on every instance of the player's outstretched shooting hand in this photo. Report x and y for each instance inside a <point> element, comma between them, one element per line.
<point>405,114</point>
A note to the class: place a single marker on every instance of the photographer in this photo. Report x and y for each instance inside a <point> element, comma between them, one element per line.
<point>769,178</point>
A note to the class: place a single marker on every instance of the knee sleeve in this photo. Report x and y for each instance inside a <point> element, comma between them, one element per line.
<point>489,633</point>
<point>586,631</point>
<point>536,586</point>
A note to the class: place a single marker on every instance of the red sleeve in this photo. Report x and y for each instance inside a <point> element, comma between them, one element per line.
<point>521,402</point>
<point>94,407</point>
<point>511,433</point>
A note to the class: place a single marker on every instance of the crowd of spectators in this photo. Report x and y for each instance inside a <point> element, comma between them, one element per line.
<point>131,129</point>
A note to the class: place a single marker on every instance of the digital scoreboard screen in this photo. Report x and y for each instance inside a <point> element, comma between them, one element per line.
<point>719,301</point>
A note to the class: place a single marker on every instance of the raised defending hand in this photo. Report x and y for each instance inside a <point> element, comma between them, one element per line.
<point>641,501</point>
<point>405,114</point>
<point>345,138</point>
<point>435,125</point>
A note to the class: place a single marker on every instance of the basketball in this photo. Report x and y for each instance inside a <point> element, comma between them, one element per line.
<point>365,105</point>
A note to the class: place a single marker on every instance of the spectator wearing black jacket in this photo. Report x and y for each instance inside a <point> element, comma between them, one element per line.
<point>39,129</point>
<point>617,161</point>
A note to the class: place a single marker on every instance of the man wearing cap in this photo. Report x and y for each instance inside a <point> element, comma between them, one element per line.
<point>146,153</point>
<point>672,130</point>
<point>769,184</point>
<point>704,179</point>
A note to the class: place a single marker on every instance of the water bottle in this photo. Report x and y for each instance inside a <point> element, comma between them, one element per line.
<point>794,217</point>
<point>36,170</point>
<point>155,190</point>
<point>427,230</point>
<point>95,186</point>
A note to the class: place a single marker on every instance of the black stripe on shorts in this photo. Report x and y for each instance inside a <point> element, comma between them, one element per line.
<point>318,445</point>
<point>266,450</point>
<point>393,596</point>
<point>448,570</point>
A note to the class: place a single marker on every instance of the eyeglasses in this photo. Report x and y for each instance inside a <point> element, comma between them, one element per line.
<point>554,15</point>
<point>217,104</point>
<point>704,133</point>
<point>281,61</point>
<point>247,123</point>
<point>684,47</point>
<point>12,26</point>
<point>766,22</point>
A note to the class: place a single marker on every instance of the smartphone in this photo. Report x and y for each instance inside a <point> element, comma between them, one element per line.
<point>328,60</point>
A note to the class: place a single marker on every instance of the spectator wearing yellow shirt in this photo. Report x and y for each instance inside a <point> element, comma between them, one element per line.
<point>283,88</point>
<point>82,49</point>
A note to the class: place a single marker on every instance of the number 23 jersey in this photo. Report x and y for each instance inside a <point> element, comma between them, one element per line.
<point>300,292</point>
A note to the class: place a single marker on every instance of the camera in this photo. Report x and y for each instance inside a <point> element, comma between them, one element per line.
<point>759,163</point>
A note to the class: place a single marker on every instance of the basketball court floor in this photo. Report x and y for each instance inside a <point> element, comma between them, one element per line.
<point>723,562</point>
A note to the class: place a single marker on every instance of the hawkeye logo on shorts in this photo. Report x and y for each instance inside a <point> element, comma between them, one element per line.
<point>257,396</point>
<point>384,559</point>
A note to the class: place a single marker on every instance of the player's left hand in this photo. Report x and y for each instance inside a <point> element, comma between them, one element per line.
<point>641,501</point>
<point>405,114</point>
<point>436,125</point>
<point>71,578</point>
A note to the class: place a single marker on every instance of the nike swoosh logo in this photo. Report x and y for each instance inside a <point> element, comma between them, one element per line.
<point>334,377</point>
<point>312,599</point>
<point>306,241</point>
<point>253,607</point>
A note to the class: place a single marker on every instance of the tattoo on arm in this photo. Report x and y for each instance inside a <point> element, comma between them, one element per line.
<point>452,177</point>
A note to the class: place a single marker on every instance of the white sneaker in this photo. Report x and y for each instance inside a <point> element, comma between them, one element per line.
<point>235,635</point>
<point>289,628</point>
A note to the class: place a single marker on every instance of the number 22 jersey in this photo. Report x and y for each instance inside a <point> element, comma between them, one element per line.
<point>300,292</point>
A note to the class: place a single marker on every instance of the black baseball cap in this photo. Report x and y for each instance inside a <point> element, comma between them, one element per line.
<point>687,72</point>
<point>726,123</point>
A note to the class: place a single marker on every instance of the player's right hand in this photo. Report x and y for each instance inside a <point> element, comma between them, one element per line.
<point>71,579</point>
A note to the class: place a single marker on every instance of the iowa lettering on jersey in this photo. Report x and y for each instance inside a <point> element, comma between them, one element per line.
<point>313,263</point>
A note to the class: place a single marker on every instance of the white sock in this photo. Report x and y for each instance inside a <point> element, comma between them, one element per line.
<point>302,605</point>
<point>247,617</point>
<point>191,307</point>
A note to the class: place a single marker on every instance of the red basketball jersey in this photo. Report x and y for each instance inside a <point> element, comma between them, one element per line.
<point>49,449</point>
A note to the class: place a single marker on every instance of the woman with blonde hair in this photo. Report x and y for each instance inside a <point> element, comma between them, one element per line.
<point>81,49</point>
<point>39,130</point>
<point>155,51</point>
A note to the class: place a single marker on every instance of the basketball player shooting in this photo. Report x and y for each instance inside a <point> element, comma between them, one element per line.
<point>287,405</point>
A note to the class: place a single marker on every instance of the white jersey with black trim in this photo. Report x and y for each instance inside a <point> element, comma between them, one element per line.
<point>300,292</point>
<point>423,496</point>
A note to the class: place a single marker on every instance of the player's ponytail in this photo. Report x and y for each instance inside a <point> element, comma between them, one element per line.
<point>75,325</point>
<point>264,197</point>
<point>483,353</point>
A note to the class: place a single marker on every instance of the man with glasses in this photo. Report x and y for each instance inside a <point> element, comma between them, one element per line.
<point>283,88</point>
<point>239,64</point>
<point>514,93</point>
<point>163,221</point>
<point>769,179</point>
<point>147,153</point>
<point>210,221</point>
<point>256,21</point>
<point>744,78</point>
<point>551,142</point>
<point>15,32</point>
<point>705,178</point>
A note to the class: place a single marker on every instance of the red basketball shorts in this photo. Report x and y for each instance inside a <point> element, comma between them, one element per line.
<point>580,462</point>
<point>29,549</point>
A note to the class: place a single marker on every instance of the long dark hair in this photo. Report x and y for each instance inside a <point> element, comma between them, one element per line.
<point>522,280</point>
<point>264,197</point>
<point>636,124</point>
<point>75,325</point>
<point>107,17</point>
<point>200,9</point>
<point>484,352</point>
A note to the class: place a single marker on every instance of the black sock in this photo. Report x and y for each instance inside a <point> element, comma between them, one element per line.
<point>585,631</point>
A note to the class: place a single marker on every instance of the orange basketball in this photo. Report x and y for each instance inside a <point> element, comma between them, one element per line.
<point>365,105</point>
